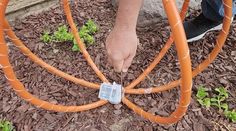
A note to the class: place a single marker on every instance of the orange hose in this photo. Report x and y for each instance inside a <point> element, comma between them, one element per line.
<point>79,42</point>
<point>161,54</point>
<point>185,68</point>
<point>212,56</point>
<point>185,91</point>
<point>18,86</point>
<point>183,56</point>
<point>17,42</point>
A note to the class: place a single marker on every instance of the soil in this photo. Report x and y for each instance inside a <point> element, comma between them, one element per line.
<point>25,117</point>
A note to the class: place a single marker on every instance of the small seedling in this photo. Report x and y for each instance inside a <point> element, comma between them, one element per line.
<point>46,38</point>
<point>6,126</point>
<point>202,97</point>
<point>91,26</point>
<point>86,33</point>
<point>63,35</point>
<point>218,101</point>
<point>75,46</point>
<point>231,115</point>
<point>219,98</point>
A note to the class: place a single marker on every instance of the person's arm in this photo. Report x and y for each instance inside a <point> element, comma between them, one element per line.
<point>122,42</point>
<point>127,14</point>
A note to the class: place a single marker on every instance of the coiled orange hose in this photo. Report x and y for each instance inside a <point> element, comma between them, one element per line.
<point>183,55</point>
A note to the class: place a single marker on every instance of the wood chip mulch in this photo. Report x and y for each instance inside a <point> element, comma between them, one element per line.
<point>222,72</point>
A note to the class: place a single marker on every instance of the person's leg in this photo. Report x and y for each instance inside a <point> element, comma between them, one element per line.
<point>214,9</point>
<point>210,19</point>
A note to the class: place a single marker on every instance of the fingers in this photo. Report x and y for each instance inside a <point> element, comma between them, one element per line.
<point>121,64</point>
<point>127,63</point>
<point>138,43</point>
<point>116,59</point>
<point>109,61</point>
<point>117,63</point>
<point>118,56</point>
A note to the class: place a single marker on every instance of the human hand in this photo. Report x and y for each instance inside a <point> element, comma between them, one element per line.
<point>121,45</point>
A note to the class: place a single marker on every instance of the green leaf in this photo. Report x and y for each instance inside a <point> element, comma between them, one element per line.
<point>6,126</point>
<point>68,37</point>
<point>62,29</point>
<point>91,26</point>
<point>222,91</point>
<point>62,34</point>
<point>217,90</point>
<point>89,39</point>
<point>58,36</point>
<point>222,98</point>
<point>215,104</point>
<point>231,115</point>
<point>46,38</point>
<point>225,106</point>
<point>207,102</point>
<point>200,101</point>
<point>202,93</point>
<point>84,30</point>
<point>214,100</point>
<point>75,48</point>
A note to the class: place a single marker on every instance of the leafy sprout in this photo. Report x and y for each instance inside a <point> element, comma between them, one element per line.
<point>202,97</point>
<point>62,34</point>
<point>91,26</point>
<point>218,100</point>
<point>6,126</point>
<point>46,38</point>
<point>231,115</point>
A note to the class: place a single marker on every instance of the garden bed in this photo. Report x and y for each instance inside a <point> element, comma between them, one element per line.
<point>109,117</point>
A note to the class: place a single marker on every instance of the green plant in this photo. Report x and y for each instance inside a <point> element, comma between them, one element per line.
<point>6,126</point>
<point>202,97</point>
<point>86,33</point>
<point>46,38</point>
<point>231,115</point>
<point>219,98</point>
<point>75,46</point>
<point>92,27</point>
<point>62,34</point>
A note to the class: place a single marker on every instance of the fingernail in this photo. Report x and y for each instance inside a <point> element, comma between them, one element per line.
<point>116,70</point>
<point>125,70</point>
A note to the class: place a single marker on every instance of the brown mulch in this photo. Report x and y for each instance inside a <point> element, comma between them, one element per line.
<point>57,90</point>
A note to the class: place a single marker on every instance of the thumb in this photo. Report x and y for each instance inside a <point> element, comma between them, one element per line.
<point>127,63</point>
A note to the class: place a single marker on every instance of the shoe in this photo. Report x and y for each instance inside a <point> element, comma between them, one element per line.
<point>196,29</point>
